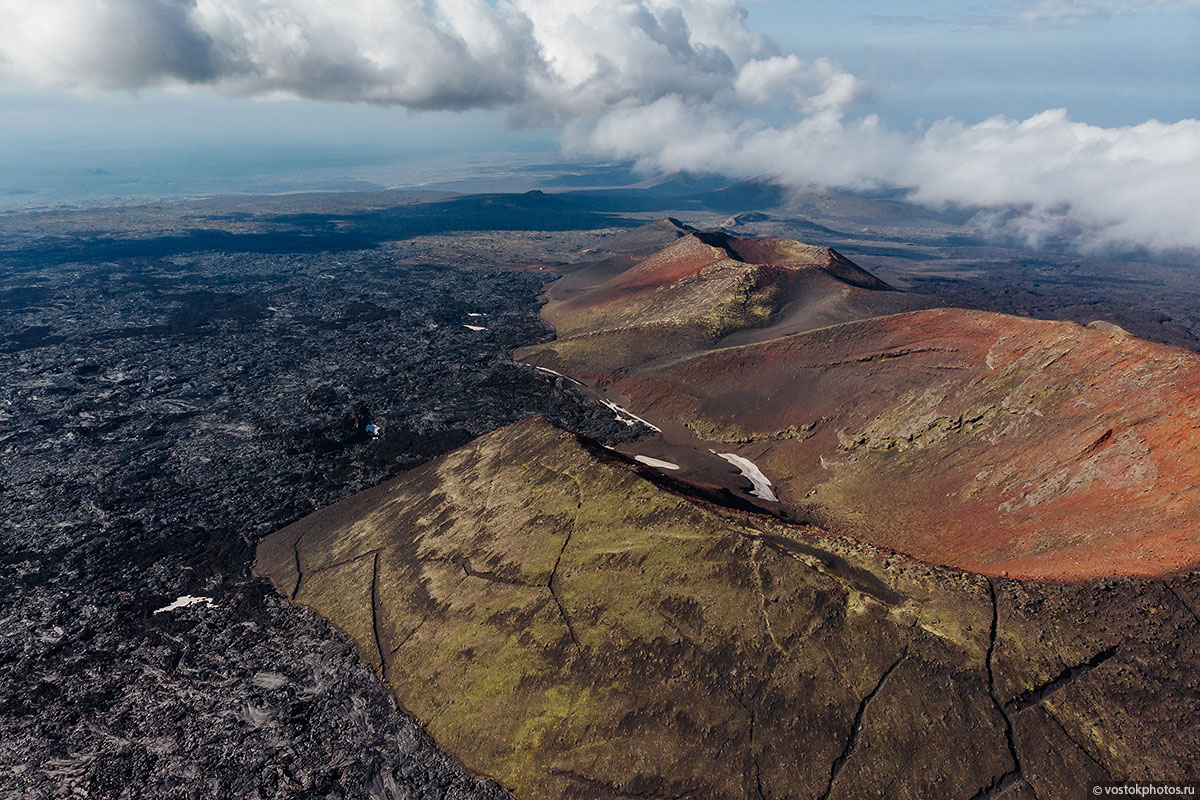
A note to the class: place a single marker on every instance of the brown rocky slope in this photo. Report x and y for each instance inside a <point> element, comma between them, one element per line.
<point>708,289</point>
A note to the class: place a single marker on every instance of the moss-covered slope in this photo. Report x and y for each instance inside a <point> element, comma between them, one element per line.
<point>577,627</point>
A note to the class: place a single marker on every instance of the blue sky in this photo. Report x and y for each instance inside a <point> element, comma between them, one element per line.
<point>1118,70</point>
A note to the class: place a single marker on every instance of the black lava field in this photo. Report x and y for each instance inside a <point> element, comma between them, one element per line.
<point>161,414</point>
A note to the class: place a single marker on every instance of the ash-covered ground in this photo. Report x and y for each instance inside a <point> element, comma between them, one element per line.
<point>158,415</point>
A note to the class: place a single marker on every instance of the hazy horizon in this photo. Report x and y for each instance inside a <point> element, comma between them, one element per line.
<point>1080,113</point>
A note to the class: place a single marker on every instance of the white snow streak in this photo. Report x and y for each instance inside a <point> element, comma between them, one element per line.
<point>559,375</point>
<point>628,418</point>
<point>750,471</point>
<point>654,462</point>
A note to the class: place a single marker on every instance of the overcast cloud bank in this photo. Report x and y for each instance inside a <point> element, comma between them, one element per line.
<point>678,84</point>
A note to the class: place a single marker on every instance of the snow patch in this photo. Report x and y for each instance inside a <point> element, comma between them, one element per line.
<point>654,462</point>
<point>475,327</point>
<point>750,471</point>
<point>185,601</point>
<point>628,418</point>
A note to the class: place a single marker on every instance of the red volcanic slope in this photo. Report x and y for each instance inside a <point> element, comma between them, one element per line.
<point>992,443</point>
<point>997,444</point>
